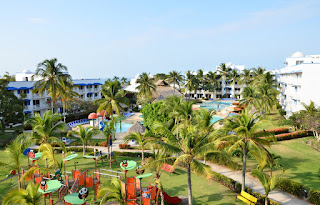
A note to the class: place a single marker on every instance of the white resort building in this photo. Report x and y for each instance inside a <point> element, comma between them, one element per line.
<point>227,89</point>
<point>88,89</point>
<point>298,81</point>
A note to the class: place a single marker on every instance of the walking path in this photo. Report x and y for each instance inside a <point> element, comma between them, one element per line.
<point>255,185</point>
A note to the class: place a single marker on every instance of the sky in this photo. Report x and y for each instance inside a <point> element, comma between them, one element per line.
<point>102,39</point>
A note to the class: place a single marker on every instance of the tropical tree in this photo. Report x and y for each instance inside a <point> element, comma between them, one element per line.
<point>66,94</point>
<point>191,82</point>
<point>233,77</point>
<point>108,130</point>
<point>49,155</point>
<point>52,74</point>
<point>212,81</point>
<point>246,77</point>
<point>113,98</point>
<point>269,79</point>
<point>268,183</point>
<point>9,77</point>
<point>28,196</point>
<point>223,71</point>
<point>242,132</point>
<point>184,145</point>
<point>267,96</point>
<point>250,98</point>
<point>124,81</point>
<point>113,192</point>
<point>47,128</point>
<point>175,77</point>
<point>14,152</point>
<point>85,134</point>
<point>141,138</point>
<point>258,74</point>
<point>203,119</point>
<point>146,85</point>
<point>201,78</point>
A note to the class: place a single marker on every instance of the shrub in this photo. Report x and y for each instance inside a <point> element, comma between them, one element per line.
<point>291,187</point>
<point>131,154</point>
<point>293,135</point>
<point>135,109</point>
<point>104,144</point>
<point>124,146</point>
<point>314,197</point>
<point>76,143</point>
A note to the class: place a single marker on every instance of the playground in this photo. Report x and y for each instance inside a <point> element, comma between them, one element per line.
<point>173,183</point>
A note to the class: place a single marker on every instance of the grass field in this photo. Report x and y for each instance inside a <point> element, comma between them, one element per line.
<point>204,192</point>
<point>300,161</point>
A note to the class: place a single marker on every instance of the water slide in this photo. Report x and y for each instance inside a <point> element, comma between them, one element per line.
<point>171,199</point>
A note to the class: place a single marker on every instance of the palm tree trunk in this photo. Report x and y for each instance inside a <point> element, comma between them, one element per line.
<point>64,111</point>
<point>162,197</point>
<point>84,149</point>
<point>189,185</point>
<point>266,200</point>
<point>51,105</point>
<point>244,166</point>
<point>142,155</point>
<point>145,96</point>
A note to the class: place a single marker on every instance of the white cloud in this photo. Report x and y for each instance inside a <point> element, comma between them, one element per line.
<point>36,20</point>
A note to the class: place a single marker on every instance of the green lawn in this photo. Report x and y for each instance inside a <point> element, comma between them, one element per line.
<point>204,192</point>
<point>300,161</point>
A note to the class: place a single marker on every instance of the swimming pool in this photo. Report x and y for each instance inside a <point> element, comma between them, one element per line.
<point>215,105</point>
<point>124,127</point>
<point>215,119</point>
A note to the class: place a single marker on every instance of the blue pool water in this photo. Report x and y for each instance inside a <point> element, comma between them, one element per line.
<point>215,119</point>
<point>215,105</point>
<point>140,116</point>
<point>124,127</point>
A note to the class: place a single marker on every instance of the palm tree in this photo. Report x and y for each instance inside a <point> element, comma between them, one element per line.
<point>85,134</point>
<point>242,132</point>
<point>108,130</point>
<point>146,84</point>
<point>175,77</point>
<point>212,81</point>
<point>141,138</point>
<point>246,77</point>
<point>269,79</point>
<point>9,77</point>
<point>311,108</point>
<point>28,196</point>
<point>47,128</point>
<point>258,74</point>
<point>49,155</point>
<point>191,82</point>
<point>14,151</point>
<point>52,73</point>
<point>112,192</point>
<point>203,119</point>
<point>113,98</point>
<point>250,97</point>
<point>233,77</point>
<point>223,71</point>
<point>268,97</point>
<point>268,183</point>
<point>124,81</point>
<point>184,145</point>
<point>66,93</point>
<point>201,78</point>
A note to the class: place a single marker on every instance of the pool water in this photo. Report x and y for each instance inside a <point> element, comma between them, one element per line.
<point>215,105</point>
<point>215,119</point>
<point>124,127</point>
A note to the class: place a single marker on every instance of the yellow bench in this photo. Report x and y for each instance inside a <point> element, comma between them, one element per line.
<point>247,198</point>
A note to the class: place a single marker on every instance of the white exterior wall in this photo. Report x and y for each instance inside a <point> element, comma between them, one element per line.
<point>298,81</point>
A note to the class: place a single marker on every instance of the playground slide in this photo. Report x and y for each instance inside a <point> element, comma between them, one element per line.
<point>171,200</point>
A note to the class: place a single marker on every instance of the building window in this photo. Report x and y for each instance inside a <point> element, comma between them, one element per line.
<point>96,94</point>
<point>82,96</point>
<point>299,62</point>
<point>36,102</point>
<point>218,96</point>
<point>81,88</point>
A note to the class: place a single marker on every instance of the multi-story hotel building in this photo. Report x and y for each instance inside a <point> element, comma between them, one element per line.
<point>227,88</point>
<point>299,82</point>
<point>88,89</point>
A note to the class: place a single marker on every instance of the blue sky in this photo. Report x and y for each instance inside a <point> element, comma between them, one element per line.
<point>106,38</point>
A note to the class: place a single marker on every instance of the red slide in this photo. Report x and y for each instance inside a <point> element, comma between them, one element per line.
<point>171,200</point>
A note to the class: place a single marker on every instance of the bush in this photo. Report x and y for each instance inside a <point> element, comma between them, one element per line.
<point>276,131</point>
<point>291,187</point>
<point>131,154</point>
<point>152,113</point>
<point>135,109</point>
<point>314,197</point>
<point>293,135</point>
<point>124,146</point>
<point>104,144</point>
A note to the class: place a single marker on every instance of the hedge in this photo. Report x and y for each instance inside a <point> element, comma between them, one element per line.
<point>314,197</point>
<point>291,187</point>
<point>293,135</point>
<point>276,131</point>
<point>69,149</point>
<point>131,154</point>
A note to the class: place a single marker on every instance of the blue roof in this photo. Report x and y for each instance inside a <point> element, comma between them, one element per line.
<point>26,112</point>
<point>27,100</point>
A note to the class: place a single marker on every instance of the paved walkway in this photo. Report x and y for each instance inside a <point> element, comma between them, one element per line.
<point>255,185</point>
